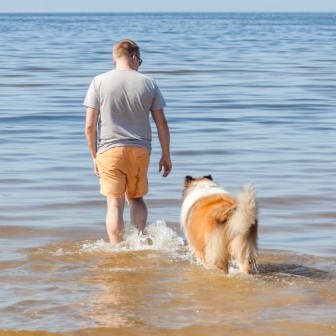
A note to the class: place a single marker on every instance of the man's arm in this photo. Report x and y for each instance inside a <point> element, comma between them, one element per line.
<point>91,134</point>
<point>164,138</point>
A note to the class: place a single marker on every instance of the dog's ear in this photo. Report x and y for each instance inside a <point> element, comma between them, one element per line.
<point>187,180</point>
<point>209,177</point>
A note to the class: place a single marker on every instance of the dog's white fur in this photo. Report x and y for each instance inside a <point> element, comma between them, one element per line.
<point>201,189</point>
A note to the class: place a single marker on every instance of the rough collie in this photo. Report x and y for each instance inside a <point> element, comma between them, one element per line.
<point>218,227</point>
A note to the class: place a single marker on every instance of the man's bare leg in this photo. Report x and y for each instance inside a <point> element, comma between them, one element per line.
<point>138,213</point>
<point>114,219</point>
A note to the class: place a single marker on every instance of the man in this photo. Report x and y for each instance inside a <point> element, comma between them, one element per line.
<point>118,134</point>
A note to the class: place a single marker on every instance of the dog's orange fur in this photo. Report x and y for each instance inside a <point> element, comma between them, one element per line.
<point>204,218</point>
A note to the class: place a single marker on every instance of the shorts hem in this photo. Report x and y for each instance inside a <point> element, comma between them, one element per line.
<point>125,194</point>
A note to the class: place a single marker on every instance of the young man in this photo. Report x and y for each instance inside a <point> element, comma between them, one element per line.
<point>118,134</point>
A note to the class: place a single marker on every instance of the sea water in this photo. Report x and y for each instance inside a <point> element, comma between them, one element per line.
<point>250,99</point>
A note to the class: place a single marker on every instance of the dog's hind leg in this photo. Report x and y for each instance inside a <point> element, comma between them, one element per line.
<point>223,263</point>
<point>216,252</point>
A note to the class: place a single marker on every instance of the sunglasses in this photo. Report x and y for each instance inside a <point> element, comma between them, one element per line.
<point>139,59</point>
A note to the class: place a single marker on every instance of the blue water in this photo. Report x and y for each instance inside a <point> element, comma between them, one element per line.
<point>251,98</point>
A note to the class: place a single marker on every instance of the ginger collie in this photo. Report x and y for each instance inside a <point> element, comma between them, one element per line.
<point>219,227</point>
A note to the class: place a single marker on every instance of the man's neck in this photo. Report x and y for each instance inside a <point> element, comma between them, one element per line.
<point>123,67</point>
<point>123,64</point>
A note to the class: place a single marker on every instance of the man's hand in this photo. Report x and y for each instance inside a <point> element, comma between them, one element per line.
<point>95,168</point>
<point>165,165</point>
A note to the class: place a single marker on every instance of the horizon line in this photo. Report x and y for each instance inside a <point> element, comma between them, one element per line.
<point>167,12</point>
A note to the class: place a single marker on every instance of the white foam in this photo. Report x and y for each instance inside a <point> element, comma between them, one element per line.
<point>158,237</point>
<point>60,252</point>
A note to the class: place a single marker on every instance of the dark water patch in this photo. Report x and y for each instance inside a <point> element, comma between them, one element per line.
<point>13,181</point>
<point>292,200</point>
<point>23,85</point>
<point>48,117</point>
<point>196,152</point>
<point>292,270</point>
<point>328,215</point>
<point>31,68</point>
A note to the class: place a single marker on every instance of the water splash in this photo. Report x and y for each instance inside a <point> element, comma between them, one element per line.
<point>158,236</point>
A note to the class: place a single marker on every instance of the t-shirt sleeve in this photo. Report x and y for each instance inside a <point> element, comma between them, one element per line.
<point>91,98</point>
<point>158,101</point>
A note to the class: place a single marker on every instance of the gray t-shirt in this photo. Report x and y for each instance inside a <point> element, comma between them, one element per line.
<point>124,99</point>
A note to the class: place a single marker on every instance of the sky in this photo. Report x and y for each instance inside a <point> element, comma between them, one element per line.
<point>167,5</point>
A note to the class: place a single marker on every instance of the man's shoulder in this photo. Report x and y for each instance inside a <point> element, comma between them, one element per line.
<point>146,78</point>
<point>139,77</point>
<point>103,75</point>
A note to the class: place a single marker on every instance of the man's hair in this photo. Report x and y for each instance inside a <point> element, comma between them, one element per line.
<point>125,48</point>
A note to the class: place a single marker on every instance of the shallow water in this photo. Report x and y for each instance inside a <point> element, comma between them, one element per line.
<point>251,98</point>
<point>152,284</point>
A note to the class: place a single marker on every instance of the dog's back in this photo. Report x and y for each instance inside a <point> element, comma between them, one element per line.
<point>207,229</point>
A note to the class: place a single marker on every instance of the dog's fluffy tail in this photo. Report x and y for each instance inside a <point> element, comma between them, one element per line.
<point>242,228</point>
<point>246,212</point>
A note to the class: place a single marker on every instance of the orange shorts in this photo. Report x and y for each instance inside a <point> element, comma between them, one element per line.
<point>123,170</point>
